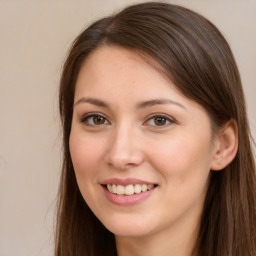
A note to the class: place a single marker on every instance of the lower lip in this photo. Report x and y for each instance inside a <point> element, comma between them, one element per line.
<point>127,200</point>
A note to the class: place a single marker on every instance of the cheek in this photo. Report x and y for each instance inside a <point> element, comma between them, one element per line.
<point>184,168</point>
<point>85,158</point>
<point>85,154</point>
<point>183,160</point>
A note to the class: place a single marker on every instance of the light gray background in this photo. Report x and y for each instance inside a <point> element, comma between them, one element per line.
<point>34,37</point>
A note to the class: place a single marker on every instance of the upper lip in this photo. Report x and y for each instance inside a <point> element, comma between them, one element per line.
<point>125,182</point>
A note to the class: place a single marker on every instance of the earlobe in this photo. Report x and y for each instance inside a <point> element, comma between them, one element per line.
<point>226,146</point>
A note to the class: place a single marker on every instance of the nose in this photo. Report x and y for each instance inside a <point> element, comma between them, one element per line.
<point>124,150</point>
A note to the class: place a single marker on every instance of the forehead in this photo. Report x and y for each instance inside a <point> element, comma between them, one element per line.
<point>108,60</point>
<point>116,68</point>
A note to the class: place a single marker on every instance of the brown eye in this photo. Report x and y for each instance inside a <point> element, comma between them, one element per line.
<point>159,121</point>
<point>98,120</point>
<point>94,120</point>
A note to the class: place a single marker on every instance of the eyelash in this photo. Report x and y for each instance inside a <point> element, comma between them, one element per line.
<point>90,117</point>
<point>164,117</point>
<point>86,119</point>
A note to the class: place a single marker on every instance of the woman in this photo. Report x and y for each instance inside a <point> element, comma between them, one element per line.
<point>157,154</point>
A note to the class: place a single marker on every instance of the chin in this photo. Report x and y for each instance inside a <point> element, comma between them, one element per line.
<point>128,231</point>
<point>128,227</point>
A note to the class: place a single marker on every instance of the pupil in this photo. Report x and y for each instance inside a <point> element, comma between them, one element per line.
<point>98,120</point>
<point>160,121</point>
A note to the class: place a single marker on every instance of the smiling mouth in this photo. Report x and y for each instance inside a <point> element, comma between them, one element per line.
<point>129,190</point>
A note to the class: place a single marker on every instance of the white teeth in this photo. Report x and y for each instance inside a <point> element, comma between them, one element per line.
<point>150,186</point>
<point>114,190</point>
<point>120,190</point>
<point>144,187</point>
<point>129,189</point>
<point>137,188</point>
<point>109,187</point>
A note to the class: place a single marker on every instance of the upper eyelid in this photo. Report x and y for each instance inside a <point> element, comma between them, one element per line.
<point>169,119</point>
<point>161,115</point>
<point>94,114</point>
<point>91,114</point>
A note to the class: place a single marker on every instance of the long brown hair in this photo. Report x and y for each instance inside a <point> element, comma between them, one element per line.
<point>194,55</point>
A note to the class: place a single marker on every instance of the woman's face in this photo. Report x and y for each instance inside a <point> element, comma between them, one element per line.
<point>142,152</point>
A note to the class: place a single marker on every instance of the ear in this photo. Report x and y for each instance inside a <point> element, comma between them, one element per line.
<point>226,145</point>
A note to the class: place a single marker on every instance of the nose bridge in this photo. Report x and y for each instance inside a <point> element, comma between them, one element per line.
<point>124,150</point>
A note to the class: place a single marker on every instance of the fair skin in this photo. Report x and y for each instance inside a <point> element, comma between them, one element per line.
<point>130,127</point>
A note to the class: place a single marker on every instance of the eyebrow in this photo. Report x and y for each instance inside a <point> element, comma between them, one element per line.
<point>154,102</point>
<point>140,105</point>
<point>93,101</point>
